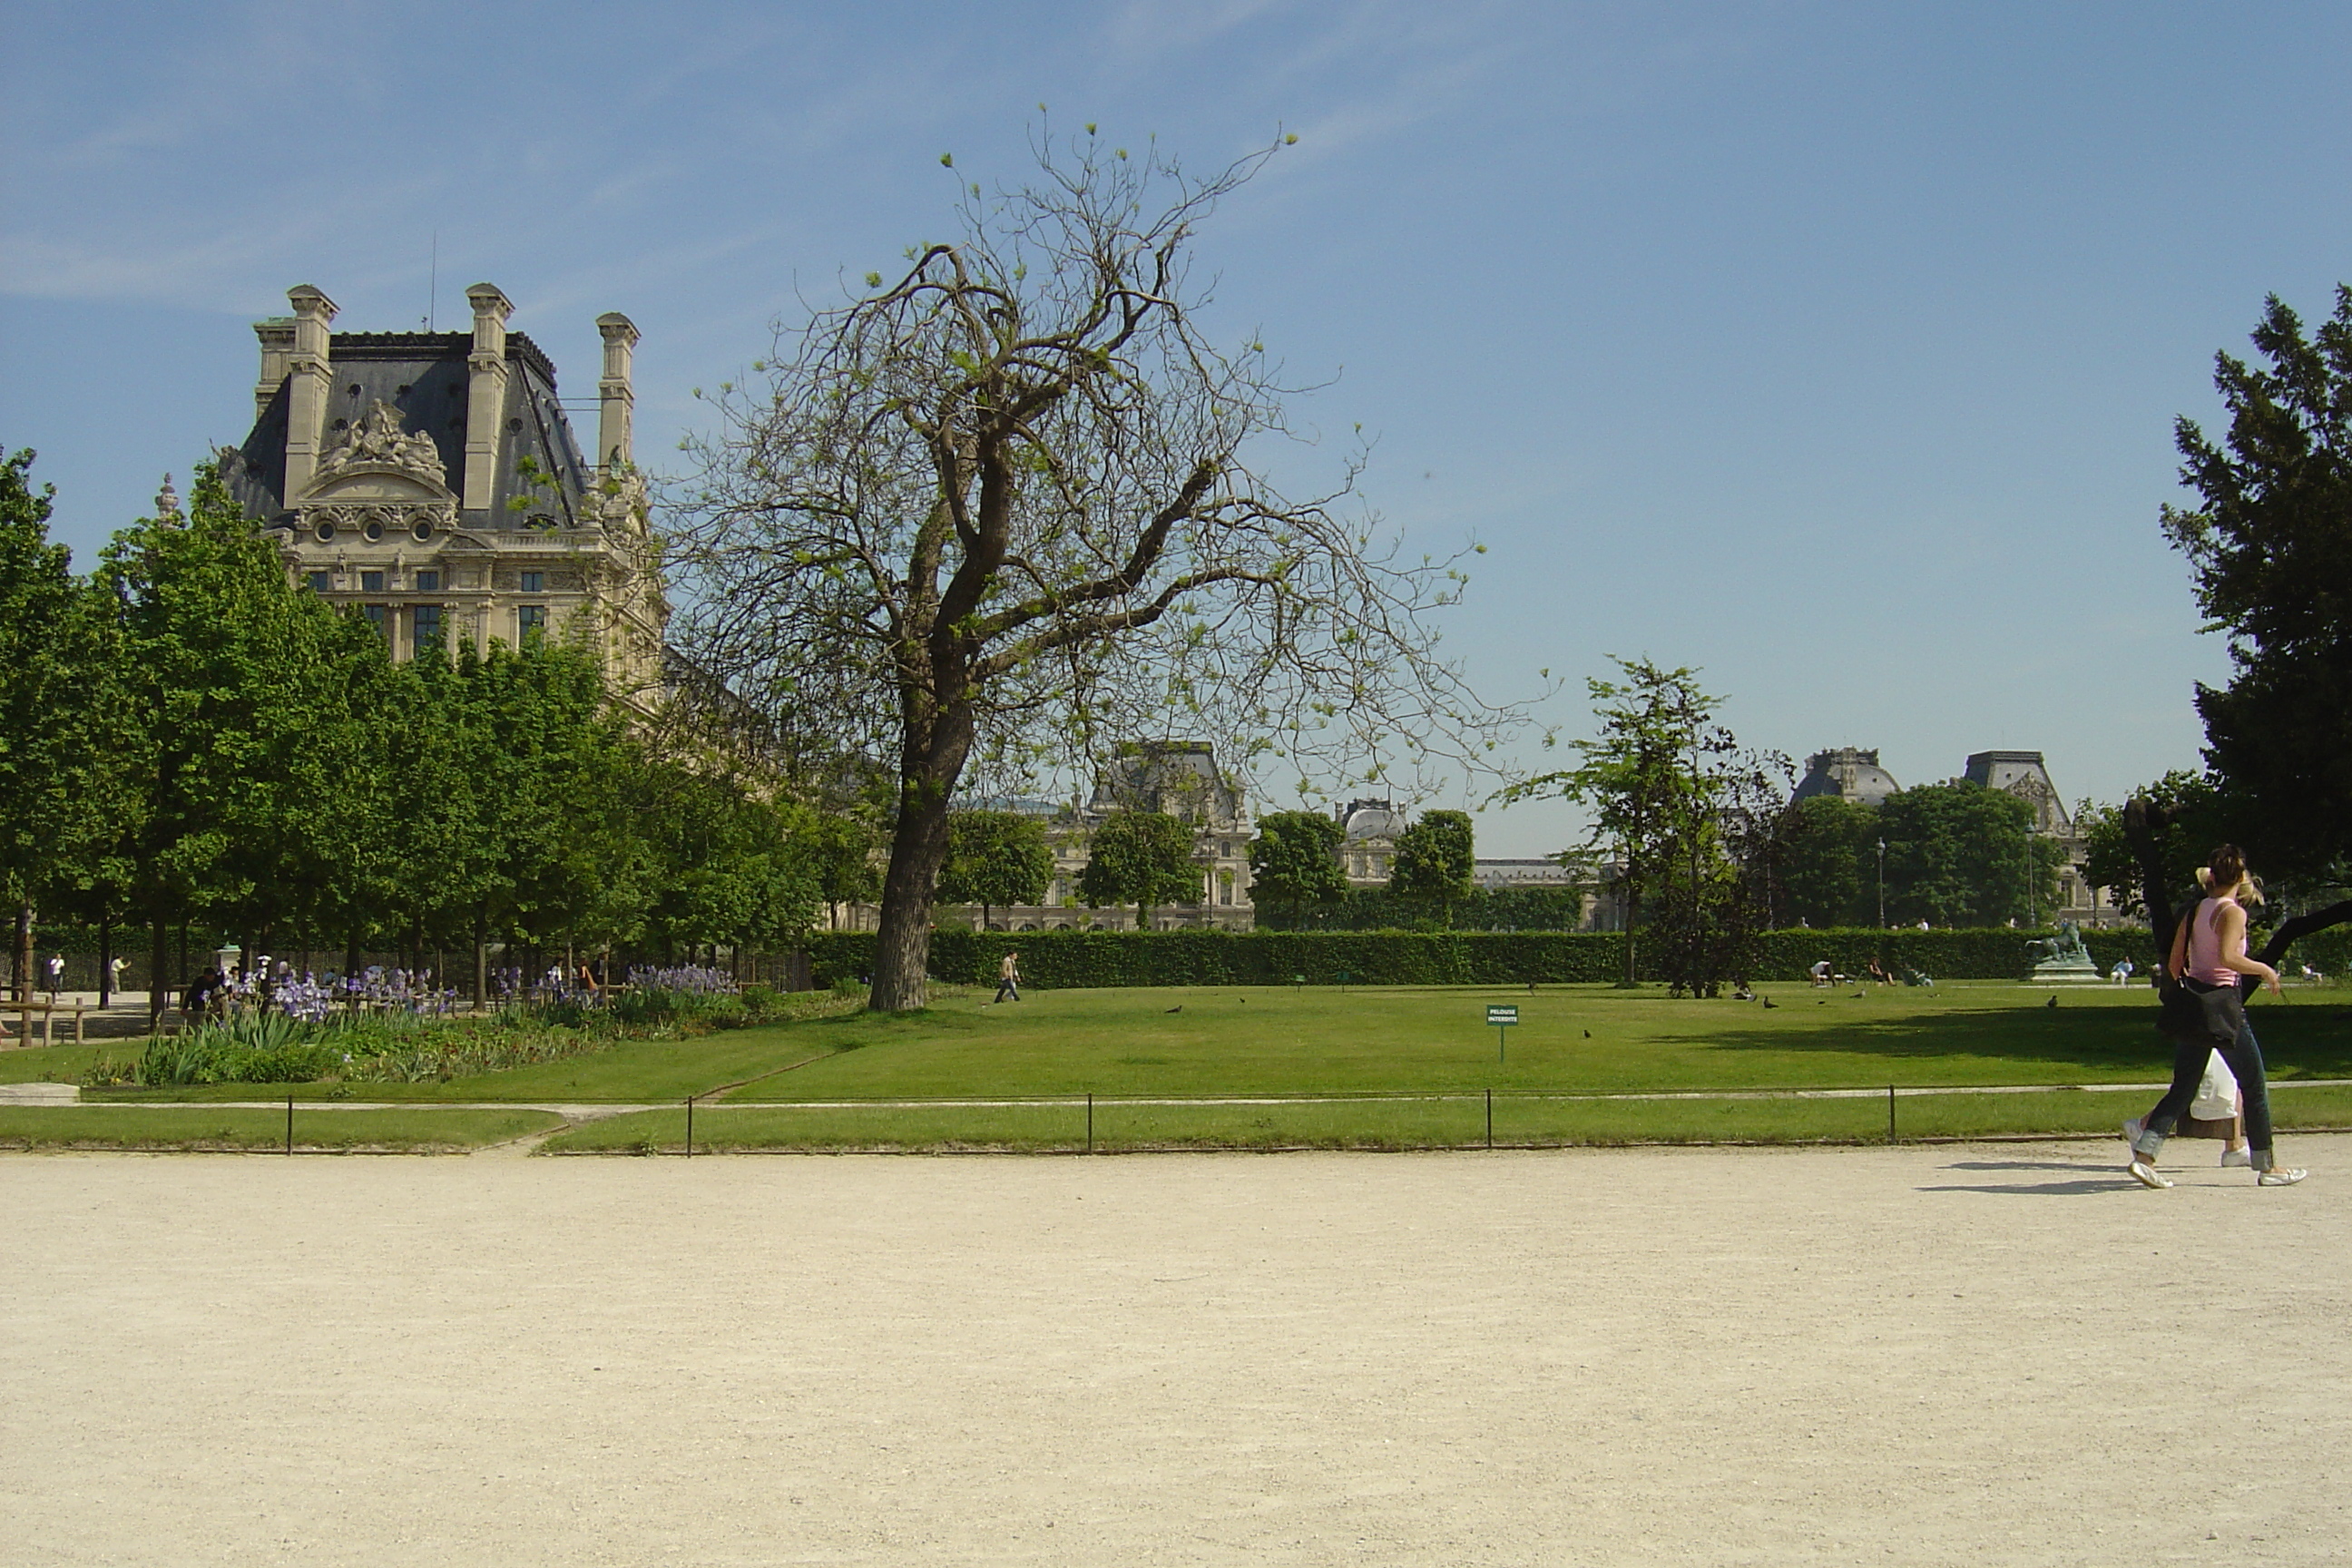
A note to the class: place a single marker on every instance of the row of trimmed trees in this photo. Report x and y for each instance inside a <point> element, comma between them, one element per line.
<point>189,742</point>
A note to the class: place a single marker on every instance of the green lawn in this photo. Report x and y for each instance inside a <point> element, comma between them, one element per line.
<point>232,1128</point>
<point>1398,1042</point>
<point>1582,1039</point>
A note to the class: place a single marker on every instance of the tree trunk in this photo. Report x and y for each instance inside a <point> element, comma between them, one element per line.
<point>21,957</point>
<point>902,949</point>
<point>1633,904</point>
<point>481,969</point>
<point>159,954</point>
<point>931,761</point>
<point>105,961</point>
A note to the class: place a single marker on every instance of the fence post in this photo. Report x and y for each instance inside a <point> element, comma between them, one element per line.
<point>1890,1114</point>
<point>289,1124</point>
<point>1090,1121</point>
<point>1490,1118</point>
<point>689,1127</point>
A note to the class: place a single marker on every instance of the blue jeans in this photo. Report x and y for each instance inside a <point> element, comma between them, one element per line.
<point>2244,1055</point>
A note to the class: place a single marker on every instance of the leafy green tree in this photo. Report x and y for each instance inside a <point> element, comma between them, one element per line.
<point>1002,511</point>
<point>2270,545</point>
<point>1643,778</point>
<point>1294,864</point>
<point>52,706</point>
<point>1139,857</point>
<point>2192,807</point>
<point>995,858</point>
<point>435,802</point>
<point>577,870</point>
<point>840,849</point>
<point>1829,874</point>
<point>227,680</point>
<point>1436,861</point>
<point>1962,855</point>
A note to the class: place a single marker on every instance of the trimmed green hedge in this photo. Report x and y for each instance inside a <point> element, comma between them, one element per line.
<point>1058,959</point>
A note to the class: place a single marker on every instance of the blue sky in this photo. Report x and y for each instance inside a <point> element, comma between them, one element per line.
<point>1833,348</point>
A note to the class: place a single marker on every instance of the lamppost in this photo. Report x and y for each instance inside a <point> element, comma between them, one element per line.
<point>2033,883</point>
<point>1881,884</point>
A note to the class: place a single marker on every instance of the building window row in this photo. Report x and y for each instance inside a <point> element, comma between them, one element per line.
<point>378,582</point>
<point>428,624</point>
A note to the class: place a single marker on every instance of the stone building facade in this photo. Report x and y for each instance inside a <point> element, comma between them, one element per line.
<point>1179,777</point>
<point>433,482</point>
<point>1853,774</point>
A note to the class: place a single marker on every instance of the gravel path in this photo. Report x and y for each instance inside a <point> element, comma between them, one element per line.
<point>1978,1356</point>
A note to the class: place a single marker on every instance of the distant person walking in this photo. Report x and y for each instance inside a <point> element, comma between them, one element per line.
<point>56,976</point>
<point>1008,978</point>
<point>2209,955</point>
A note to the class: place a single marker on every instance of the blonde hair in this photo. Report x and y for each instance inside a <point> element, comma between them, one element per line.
<point>2224,875</point>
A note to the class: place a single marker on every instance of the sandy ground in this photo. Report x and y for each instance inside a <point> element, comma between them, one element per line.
<point>1991,1355</point>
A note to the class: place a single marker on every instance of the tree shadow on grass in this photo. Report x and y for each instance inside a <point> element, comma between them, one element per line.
<point>2113,1040</point>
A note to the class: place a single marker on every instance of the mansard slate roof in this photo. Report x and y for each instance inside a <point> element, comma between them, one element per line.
<point>1183,771</point>
<point>423,376</point>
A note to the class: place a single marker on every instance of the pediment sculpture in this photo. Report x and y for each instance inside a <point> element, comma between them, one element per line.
<point>375,443</point>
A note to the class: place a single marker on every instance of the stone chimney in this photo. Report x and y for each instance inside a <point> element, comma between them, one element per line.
<point>277,335</point>
<point>307,361</point>
<point>617,402</point>
<point>485,394</point>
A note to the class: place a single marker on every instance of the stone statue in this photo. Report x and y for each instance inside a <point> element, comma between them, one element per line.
<point>2062,955</point>
<point>378,438</point>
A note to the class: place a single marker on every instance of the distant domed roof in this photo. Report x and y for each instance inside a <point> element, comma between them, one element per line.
<point>1360,819</point>
<point>1849,773</point>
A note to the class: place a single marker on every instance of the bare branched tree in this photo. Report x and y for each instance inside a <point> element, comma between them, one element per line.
<point>985,522</point>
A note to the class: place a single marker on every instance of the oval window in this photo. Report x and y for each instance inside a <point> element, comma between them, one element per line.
<point>326,532</point>
<point>374,531</point>
<point>424,531</point>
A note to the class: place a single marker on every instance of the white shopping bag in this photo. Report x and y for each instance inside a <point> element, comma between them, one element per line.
<point>2217,1099</point>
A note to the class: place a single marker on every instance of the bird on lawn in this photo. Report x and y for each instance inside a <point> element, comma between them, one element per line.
<point>2052,1002</point>
<point>1588,1034</point>
<point>1178,1008</point>
<point>1857,995</point>
<point>1769,1003</point>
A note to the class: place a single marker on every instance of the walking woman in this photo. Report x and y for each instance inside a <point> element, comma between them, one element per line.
<point>2209,955</point>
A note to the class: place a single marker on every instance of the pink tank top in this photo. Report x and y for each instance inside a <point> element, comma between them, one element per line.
<point>2205,944</point>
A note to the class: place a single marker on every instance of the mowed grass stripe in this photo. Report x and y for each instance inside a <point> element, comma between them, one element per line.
<point>1455,1121</point>
<point>230,1128</point>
